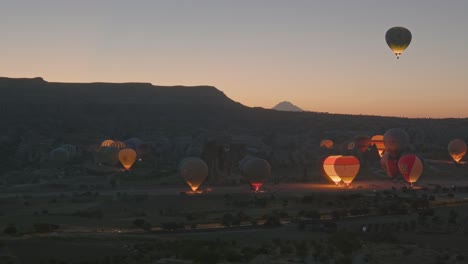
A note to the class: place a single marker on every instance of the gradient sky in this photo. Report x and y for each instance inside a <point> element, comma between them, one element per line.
<point>327,56</point>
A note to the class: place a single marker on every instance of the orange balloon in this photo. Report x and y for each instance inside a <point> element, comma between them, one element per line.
<point>127,157</point>
<point>326,143</point>
<point>194,171</point>
<point>378,141</point>
<point>107,143</point>
<point>118,144</point>
<point>341,168</point>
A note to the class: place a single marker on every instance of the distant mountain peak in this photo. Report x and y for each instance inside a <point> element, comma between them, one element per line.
<point>287,106</point>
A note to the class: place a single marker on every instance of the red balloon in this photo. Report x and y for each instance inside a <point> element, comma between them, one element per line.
<point>410,167</point>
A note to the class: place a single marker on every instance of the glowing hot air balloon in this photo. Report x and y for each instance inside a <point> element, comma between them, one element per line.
<point>256,171</point>
<point>410,167</point>
<point>378,141</point>
<point>326,143</point>
<point>457,149</point>
<point>127,157</point>
<point>107,143</point>
<point>118,144</point>
<point>194,170</point>
<point>398,39</point>
<point>341,168</point>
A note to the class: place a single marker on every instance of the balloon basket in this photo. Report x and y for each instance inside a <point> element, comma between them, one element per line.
<point>197,192</point>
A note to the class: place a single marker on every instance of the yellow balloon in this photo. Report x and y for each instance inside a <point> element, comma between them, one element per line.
<point>341,168</point>
<point>194,171</point>
<point>127,157</point>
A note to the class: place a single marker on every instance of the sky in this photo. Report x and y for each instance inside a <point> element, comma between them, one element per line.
<point>326,56</point>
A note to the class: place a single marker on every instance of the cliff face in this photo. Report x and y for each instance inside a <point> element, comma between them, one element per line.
<point>90,111</point>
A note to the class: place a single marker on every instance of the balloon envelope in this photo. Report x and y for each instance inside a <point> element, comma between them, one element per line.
<point>118,144</point>
<point>389,165</point>
<point>326,143</point>
<point>362,143</point>
<point>398,39</point>
<point>59,156</point>
<point>127,157</point>
<point>256,171</point>
<point>133,143</point>
<point>194,171</point>
<point>341,168</point>
<point>378,141</point>
<point>396,141</point>
<point>107,143</point>
<point>457,149</point>
<point>410,167</point>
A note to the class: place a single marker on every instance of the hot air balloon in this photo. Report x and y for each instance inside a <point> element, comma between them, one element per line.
<point>107,155</point>
<point>389,165</point>
<point>457,149</point>
<point>127,157</point>
<point>107,143</point>
<point>378,141</point>
<point>396,142</point>
<point>256,171</point>
<point>72,150</point>
<point>362,143</point>
<point>133,143</point>
<point>341,168</point>
<point>410,167</point>
<point>59,156</point>
<point>194,171</point>
<point>326,143</point>
<point>118,144</point>
<point>398,39</point>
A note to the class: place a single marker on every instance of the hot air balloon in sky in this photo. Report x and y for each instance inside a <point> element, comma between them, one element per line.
<point>127,157</point>
<point>457,149</point>
<point>107,143</point>
<point>326,143</point>
<point>256,171</point>
<point>378,141</point>
<point>396,142</point>
<point>194,171</point>
<point>398,39</point>
<point>341,168</point>
<point>410,167</point>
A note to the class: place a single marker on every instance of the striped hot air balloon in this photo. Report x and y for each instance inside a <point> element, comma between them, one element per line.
<point>326,143</point>
<point>341,168</point>
<point>378,141</point>
<point>411,167</point>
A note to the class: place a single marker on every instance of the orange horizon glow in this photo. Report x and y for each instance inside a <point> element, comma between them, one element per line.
<point>330,57</point>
